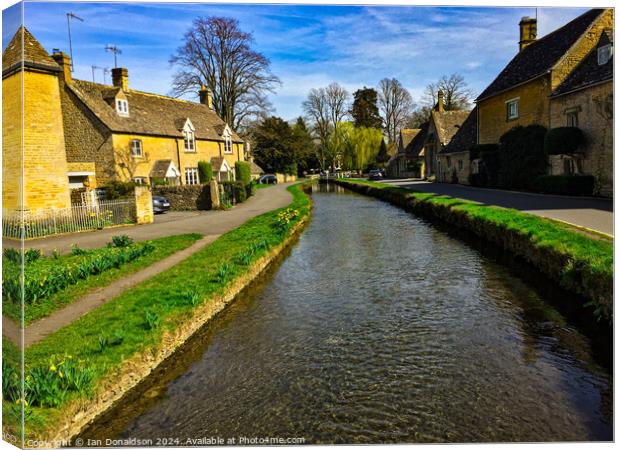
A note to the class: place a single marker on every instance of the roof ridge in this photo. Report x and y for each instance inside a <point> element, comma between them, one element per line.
<point>136,91</point>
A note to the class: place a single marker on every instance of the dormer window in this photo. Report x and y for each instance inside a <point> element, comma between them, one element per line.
<point>604,54</point>
<point>189,139</point>
<point>121,107</point>
<point>227,140</point>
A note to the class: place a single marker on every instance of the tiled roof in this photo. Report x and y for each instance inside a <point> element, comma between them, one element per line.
<point>149,114</point>
<point>588,72</point>
<point>466,135</point>
<point>34,54</point>
<point>217,162</point>
<point>160,168</point>
<point>256,169</point>
<point>447,123</point>
<point>407,134</point>
<point>417,143</point>
<point>540,56</point>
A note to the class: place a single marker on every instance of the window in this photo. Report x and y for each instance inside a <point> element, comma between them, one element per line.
<point>136,148</point>
<point>604,54</point>
<point>190,141</point>
<point>448,161</point>
<point>121,107</point>
<point>572,119</point>
<point>191,175</point>
<point>227,144</point>
<point>512,109</point>
<point>139,180</point>
<point>460,164</point>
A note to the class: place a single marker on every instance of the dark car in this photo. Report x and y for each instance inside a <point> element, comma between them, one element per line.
<point>160,204</point>
<point>268,179</point>
<point>375,174</point>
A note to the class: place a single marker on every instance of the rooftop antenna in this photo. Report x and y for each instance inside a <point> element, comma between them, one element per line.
<point>93,67</point>
<point>113,49</point>
<point>70,16</point>
<point>105,70</point>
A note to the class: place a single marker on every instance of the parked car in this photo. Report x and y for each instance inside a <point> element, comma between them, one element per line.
<point>375,174</point>
<point>268,179</point>
<point>160,204</point>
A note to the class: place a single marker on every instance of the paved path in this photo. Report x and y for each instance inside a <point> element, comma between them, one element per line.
<point>214,222</point>
<point>589,212</point>
<point>172,223</point>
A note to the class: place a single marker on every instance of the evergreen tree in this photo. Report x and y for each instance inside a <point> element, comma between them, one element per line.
<point>383,156</point>
<point>364,111</point>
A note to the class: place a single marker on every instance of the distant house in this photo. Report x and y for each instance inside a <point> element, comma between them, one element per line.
<point>442,126</point>
<point>454,159</point>
<point>256,171</point>
<point>406,163</point>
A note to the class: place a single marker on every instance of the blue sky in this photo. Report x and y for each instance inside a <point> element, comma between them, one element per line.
<point>309,46</point>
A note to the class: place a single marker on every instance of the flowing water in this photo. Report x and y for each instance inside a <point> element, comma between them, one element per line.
<point>377,328</point>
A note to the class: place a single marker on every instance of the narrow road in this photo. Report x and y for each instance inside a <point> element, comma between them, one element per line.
<point>592,213</point>
<point>210,223</point>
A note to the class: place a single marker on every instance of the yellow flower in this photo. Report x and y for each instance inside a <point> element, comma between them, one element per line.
<point>53,368</point>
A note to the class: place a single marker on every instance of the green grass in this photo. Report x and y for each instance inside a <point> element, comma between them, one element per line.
<point>144,313</point>
<point>263,186</point>
<point>164,247</point>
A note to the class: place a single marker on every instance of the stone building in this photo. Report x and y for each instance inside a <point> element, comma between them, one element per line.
<point>81,133</point>
<point>407,163</point>
<point>585,100</point>
<point>454,158</point>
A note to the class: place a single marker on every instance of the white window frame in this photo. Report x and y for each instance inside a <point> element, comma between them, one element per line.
<point>191,176</point>
<point>604,54</point>
<point>460,164</point>
<point>139,153</point>
<point>140,181</point>
<point>122,107</point>
<point>228,148</point>
<point>510,115</point>
<point>189,141</point>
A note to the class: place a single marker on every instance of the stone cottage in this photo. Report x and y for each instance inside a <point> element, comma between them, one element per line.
<point>406,163</point>
<point>454,158</point>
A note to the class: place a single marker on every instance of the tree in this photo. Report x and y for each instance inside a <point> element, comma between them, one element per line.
<point>355,147</point>
<point>456,93</point>
<point>325,108</point>
<point>383,156</point>
<point>418,117</point>
<point>272,145</point>
<point>303,146</point>
<point>396,105</point>
<point>217,54</point>
<point>364,111</point>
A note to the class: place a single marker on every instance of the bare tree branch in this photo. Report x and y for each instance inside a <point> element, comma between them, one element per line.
<point>396,105</point>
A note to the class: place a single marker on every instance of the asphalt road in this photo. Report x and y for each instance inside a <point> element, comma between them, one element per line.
<point>589,212</point>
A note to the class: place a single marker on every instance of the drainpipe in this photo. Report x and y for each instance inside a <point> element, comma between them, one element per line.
<point>176,141</point>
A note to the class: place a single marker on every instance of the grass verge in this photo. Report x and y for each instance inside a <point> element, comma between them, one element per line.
<point>577,262</point>
<point>138,321</point>
<point>43,307</point>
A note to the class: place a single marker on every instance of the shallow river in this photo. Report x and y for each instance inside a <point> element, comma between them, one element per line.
<point>377,327</point>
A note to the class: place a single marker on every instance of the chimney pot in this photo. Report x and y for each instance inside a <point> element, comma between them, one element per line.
<point>440,100</point>
<point>120,78</point>
<point>527,32</point>
<point>64,62</point>
<point>205,96</point>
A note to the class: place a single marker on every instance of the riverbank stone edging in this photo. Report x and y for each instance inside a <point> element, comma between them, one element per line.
<point>551,263</point>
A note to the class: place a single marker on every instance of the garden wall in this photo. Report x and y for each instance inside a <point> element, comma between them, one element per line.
<point>186,198</point>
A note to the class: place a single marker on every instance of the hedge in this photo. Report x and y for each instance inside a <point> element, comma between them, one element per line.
<point>242,172</point>
<point>563,140</point>
<point>565,184</point>
<point>205,172</point>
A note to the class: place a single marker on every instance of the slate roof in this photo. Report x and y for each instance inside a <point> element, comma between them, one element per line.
<point>588,72</point>
<point>34,55</point>
<point>540,56</point>
<point>447,123</point>
<point>217,162</point>
<point>417,143</point>
<point>150,114</point>
<point>407,135</point>
<point>465,136</point>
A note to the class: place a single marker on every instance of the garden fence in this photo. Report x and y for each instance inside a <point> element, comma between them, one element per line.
<point>79,217</point>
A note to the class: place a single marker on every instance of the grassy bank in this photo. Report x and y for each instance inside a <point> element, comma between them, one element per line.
<point>575,261</point>
<point>133,328</point>
<point>46,278</point>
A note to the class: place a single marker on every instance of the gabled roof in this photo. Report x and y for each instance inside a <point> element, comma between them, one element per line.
<point>466,135</point>
<point>407,135</point>
<point>417,143</point>
<point>163,168</point>
<point>255,169</point>
<point>149,114</point>
<point>447,123</point>
<point>540,56</point>
<point>34,55</point>
<point>588,72</point>
<point>219,164</point>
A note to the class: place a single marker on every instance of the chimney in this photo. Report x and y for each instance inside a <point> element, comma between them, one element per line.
<point>527,34</point>
<point>205,96</point>
<point>64,62</point>
<point>120,78</point>
<point>440,100</point>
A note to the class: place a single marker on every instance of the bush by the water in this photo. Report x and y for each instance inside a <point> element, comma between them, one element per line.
<point>565,184</point>
<point>563,140</point>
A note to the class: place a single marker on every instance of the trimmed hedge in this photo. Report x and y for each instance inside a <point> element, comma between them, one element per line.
<point>563,140</point>
<point>522,156</point>
<point>243,172</point>
<point>565,184</point>
<point>205,172</point>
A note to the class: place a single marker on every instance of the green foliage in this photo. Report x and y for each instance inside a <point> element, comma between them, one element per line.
<point>77,251</point>
<point>239,191</point>
<point>291,169</point>
<point>119,189</point>
<point>192,297</point>
<point>243,172</point>
<point>151,320</point>
<point>565,184</point>
<point>358,147</point>
<point>223,272</point>
<point>365,111</point>
<point>31,255</point>
<point>488,166</point>
<point>205,172</point>
<point>563,140</point>
<point>522,156</point>
<point>160,182</point>
<point>120,241</point>
<point>11,385</point>
<point>12,255</point>
<point>285,219</point>
<point>383,156</point>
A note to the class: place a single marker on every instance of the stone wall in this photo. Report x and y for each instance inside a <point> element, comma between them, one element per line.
<point>144,205</point>
<point>186,198</point>
<point>594,106</point>
<point>454,163</point>
<point>284,178</point>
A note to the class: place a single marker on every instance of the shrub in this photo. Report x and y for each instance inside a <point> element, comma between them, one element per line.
<point>565,184</point>
<point>291,169</point>
<point>31,255</point>
<point>120,241</point>
<point>563,140</point>
<point>119,189</point>
<point>522,156</point>
<point>478,150</point>
<point>205,172</point>
<point>239,191</point>
<point>243,172</point>
<point>12,255</point>
<point>151,320</point>
<point>77,251</point>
